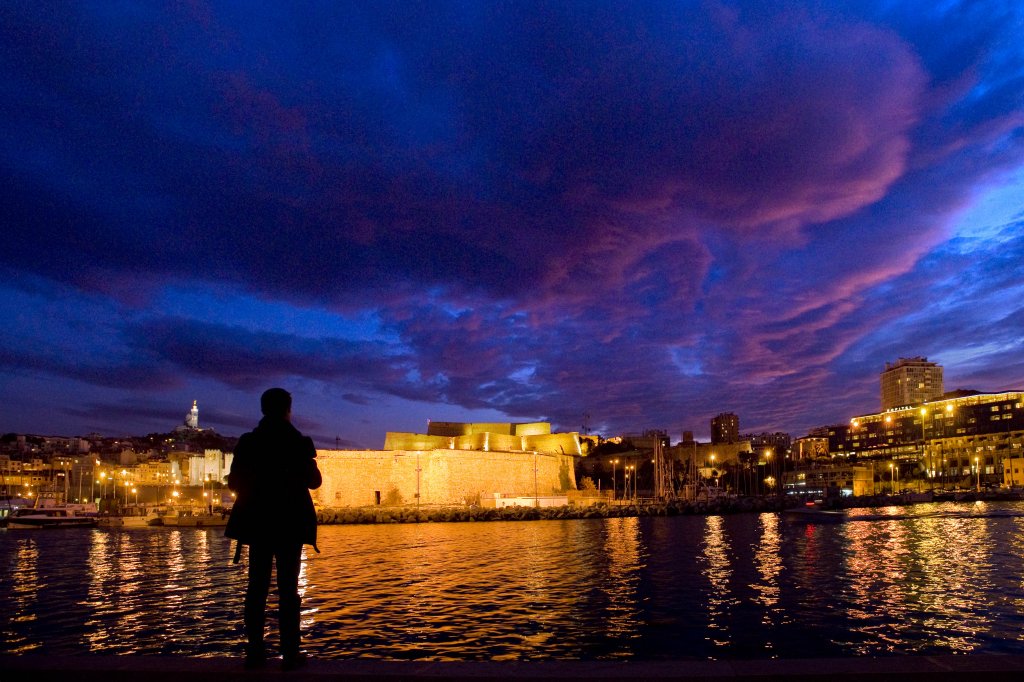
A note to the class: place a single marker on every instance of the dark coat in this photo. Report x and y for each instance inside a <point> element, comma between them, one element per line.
<point>273,469</point>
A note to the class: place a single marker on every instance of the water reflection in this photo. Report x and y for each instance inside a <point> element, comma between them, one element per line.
<point>622,549</point>
<point>920,585</point>
<point>26,589</point>
<point>717,571</point>
<point>933,579</point>
<point>768,562</point>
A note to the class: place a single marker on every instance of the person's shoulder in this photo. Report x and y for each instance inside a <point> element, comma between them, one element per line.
<point>245,440</point>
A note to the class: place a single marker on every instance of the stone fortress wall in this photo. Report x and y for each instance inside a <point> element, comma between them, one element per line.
<point>453,463</point>
<point>440,476</point>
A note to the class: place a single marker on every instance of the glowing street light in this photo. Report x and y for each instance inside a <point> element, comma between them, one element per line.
<point>614,462</point>
<point>977,467</point>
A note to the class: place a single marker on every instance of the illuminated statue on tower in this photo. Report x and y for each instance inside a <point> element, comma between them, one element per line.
<point>192,418</point>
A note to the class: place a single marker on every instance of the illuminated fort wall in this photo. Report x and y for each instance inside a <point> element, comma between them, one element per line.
<point>544,442</point>
<point>441,476</point>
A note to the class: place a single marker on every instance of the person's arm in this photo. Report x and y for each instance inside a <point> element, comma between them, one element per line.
<point>241,476</point>
<point>314,479</point>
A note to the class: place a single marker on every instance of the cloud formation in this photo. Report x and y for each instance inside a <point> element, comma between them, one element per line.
<point>646,214</point>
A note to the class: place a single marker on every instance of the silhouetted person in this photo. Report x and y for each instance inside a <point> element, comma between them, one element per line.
<point>273,469</point>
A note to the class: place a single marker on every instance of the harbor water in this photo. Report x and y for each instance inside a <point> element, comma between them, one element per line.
<point>928,579</point>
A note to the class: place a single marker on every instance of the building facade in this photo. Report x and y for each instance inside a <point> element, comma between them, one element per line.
<point>354,478</point>
<point>955,441</point>
<point>910,381</point>
<point>725,428</point>
<point>817,480</point>
<point>454,463</point>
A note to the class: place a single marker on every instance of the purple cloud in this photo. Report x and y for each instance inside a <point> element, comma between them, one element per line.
<point>650,214</point>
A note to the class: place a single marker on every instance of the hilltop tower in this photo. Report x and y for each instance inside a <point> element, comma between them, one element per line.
<point>192,418</point>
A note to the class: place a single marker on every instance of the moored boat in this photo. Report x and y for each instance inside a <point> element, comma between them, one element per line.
<point>56,516</point>
<point>130,517</point>
<point>190,518</point>
<point>815,513</point>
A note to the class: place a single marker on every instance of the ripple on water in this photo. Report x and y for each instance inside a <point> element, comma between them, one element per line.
<point>932,579</point>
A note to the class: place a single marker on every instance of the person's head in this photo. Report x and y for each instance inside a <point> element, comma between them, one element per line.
<point>276,403</point>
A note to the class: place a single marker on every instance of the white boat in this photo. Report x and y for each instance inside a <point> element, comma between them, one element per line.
<point>53,516</point>
<point>194,519</point>
<point>131,517</point>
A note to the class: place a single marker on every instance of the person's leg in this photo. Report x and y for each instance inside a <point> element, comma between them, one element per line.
<point>288,563</point>
<point>261,560</point>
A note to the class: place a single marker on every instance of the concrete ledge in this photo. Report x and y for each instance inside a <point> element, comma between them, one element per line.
<point>979,668</point>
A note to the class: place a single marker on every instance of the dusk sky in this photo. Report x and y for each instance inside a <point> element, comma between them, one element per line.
<point>648,213</point>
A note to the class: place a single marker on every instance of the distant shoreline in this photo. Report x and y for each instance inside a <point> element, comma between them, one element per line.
<point>722,505</point>
<point>407,514</point>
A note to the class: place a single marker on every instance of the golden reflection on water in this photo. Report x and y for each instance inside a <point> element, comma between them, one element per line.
<point>476,591</point>
<point>918,584</point>
<point>100,576</point>
<point>154,590</point>
<point>717,570</point>
<point>768,562</point>
<point>26,589</point>
<point>622,549</point>
<point>933,579</point>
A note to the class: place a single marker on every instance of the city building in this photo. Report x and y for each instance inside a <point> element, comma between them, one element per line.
<point>454,463</point>
<point>949,440</point>
<point>506,437</point>
<point>910,381</point>
<point>1013,472</point>
<point>709,455</point>
<point>778,443</point>
<point>810,448</point>
<point>725,428</point>
<point>813,480</point>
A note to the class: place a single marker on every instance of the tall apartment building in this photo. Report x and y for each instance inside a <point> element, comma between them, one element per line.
<point>910,381</point>
<point>725,428</point>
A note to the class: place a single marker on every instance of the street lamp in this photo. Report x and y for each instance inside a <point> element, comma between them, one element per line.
<point>924,451</point>
<point>614,462</point>
<point>713,468</point>
<point>892,479</point>
<point>977,467</point>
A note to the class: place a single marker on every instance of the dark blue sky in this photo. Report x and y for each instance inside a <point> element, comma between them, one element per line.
<point>645,212</point>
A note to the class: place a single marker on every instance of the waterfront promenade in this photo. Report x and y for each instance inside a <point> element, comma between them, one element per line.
<point>978,668</point>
